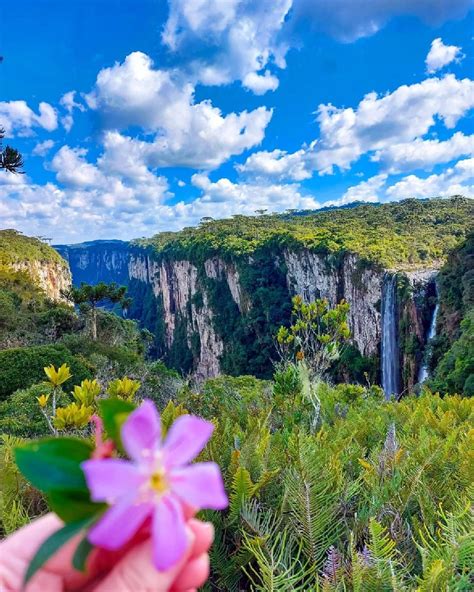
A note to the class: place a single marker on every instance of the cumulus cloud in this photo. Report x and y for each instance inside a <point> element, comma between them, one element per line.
<point>87,200</point>
<point>383,125</point>
<point>440,55</point>
<point>42,148</point>
<point>366,191</point>
<point>245,198</point>
<point>17,118</point>
<point>247,41</point>
<point>457,180</point>
<point>240,39</point>
<point>278,164</point>
<point>69,103</point>
<point>90,202</point>
<point>185,133</point>
<point>423,154</point>
<point>349,20</point>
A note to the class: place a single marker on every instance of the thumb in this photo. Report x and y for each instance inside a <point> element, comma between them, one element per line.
<point>136,573</point>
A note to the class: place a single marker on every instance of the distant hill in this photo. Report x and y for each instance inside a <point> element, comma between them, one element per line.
<point>406,234</point>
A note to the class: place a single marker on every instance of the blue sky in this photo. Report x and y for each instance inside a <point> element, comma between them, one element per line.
<point>146,115</point>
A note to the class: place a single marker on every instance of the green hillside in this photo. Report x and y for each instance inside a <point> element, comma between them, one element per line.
<point>16,247</point>
<point>409,233</point>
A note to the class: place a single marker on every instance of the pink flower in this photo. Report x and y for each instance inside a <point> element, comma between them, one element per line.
<point>154,484</point>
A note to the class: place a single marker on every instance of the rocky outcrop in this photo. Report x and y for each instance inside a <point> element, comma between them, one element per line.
<point>313,275</point>
<point>218,269</point>
<point>200,306</point>
<point>50,276</point>
<point>176,284</point>
<point>97,261</point>
<point>416,307</point>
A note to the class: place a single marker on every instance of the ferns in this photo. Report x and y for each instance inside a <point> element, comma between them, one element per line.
<point>370,500</point>
<point>17,498</point>
<point>311,496</point>
<point>277,564</point>
<point>447,554</point>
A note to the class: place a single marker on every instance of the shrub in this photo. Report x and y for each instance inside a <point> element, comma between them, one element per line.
<point>22,367</point>
<point>20,414</point>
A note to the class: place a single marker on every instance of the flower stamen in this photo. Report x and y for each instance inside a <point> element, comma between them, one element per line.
<point>158,482</point>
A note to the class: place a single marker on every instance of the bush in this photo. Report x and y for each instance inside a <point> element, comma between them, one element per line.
<point>20,414</point>
<point>23,367</point>
<point>374,496</point>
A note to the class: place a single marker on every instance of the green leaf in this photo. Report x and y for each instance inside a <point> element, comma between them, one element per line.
<point>114,412</point>
<point>81,554</point>
<point>54,463</point>
<point>73,505</point>
<point>52,544</point>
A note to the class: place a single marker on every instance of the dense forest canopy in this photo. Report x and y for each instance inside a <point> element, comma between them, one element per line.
<point>403,235</point>
<point>16,247</point>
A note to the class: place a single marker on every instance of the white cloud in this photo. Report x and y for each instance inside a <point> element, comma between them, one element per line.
<point>240,37</point>
<point>42,148</point>
<point>245,198</point>
<point>247,41</point>
<point>278,164</point>
<point>349,20</point>
<point>87,201</point>
<point>457,180</point>
<point>384,125</point>
<point>93,202</point>
<point>17,118</point>
<point>423,154</point>
<point>185,133</point>
<point>440,55</point>
<point>367,191</point>
<point>69,103</point>
<point>401,116</point>
<point>260,83</point>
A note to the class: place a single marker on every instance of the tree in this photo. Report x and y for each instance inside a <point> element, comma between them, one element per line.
<point>316,335</point>
<point>89,298</point>
<point>10,159</point>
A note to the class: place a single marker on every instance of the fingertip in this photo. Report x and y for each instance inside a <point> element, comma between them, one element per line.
<point>204,536</point>
<point>193,575</point>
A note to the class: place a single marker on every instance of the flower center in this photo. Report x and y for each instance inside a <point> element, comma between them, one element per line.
<point>158,482</point>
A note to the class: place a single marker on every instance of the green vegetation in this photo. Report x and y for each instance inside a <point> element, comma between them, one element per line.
<point>402,235</point>
<point>23,367</point>
<point>352,493</point>
<point>331,487</point>
<point>89,298</point>
<point>452,362</point>
<point>18,248</point>
<point>316,334</point>
<point>10,159</point>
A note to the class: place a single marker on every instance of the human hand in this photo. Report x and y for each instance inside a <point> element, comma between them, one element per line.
<point>128,570</point>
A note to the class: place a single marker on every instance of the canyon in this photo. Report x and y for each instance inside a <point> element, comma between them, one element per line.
<point>201,311</point>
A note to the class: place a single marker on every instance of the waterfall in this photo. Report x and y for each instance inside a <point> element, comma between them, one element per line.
<point>390,362</point>
<point>423,374</point>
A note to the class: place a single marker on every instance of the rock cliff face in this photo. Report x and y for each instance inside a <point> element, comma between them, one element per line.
<point>175,286</point>
<point>51,276</point>
<point>97,261</point>
<point>314,276</point>
<point>415,310</point>
<point>217,314</point>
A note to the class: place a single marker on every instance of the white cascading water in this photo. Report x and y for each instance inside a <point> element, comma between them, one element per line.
<point>390,382</point>
<point>423,374</point>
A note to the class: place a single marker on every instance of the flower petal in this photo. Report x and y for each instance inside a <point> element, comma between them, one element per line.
<point>200,486</point>
<point>118,525</point>
<point>187,437</point>
<point>110,479</point>
<point>168,533</point>
<point>141,431</point>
